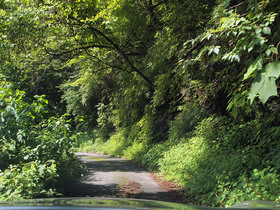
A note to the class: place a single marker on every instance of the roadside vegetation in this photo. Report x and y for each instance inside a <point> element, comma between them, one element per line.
<point>36,155</point>
<point>186,88</point>
<point>218,161</point>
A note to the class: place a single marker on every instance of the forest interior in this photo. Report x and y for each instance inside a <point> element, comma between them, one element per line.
<point>185,88</point>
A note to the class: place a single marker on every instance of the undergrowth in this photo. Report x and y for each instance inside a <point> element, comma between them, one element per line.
<point>217,161</point>
<point>36,150</point>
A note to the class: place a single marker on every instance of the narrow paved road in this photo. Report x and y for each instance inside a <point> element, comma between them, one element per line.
<point>115,177</point>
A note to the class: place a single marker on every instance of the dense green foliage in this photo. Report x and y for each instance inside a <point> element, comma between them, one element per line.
<point>36,157</point>
<point>184,87</point>
<point>219,162</point>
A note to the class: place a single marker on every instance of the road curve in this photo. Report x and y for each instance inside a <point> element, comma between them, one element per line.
<point>108,176</point>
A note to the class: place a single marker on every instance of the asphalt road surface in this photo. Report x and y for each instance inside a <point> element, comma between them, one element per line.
<point>108,176</point>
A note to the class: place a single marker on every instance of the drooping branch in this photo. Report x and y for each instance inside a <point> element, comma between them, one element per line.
<point>150,6</point>
<point>235,6</point>
<point>123,54</point>
<point>75,49</point>
<point>101,61</point>
<point>118,49</point>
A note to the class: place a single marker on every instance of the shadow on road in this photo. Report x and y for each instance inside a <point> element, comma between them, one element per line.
<point>113,191</point>
<point>88,190</point>
<point>118,178</point>
<point>104,163</point>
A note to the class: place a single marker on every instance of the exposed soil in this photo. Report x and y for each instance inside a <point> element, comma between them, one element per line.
<point>130,189</point>
<point>174,190</point>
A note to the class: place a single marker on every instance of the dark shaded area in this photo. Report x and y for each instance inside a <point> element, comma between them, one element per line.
<point>80,189</point>
<point>104,163</point>
<point>113,191</point>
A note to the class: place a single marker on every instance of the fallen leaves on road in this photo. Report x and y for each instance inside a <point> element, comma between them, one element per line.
<point>130,189</point>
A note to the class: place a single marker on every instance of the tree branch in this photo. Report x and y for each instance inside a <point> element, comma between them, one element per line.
<point>158,4</point>
<point>101,61</point>
<point>235,6</point>
<point>120,51</point>
<point>73,50</point>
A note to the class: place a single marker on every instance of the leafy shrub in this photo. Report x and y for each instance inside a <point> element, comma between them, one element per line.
<point>136,150</point>
<point>181,161</point>
<point>152,158</point>
<point>216,168</point>
<point>219,161</point>
<point>185,122</point>
<point>30,180</point>
<point>140,135</point>
<point>213,129</point>
<point>259,185</point>
<point>223,163</point>
<point>116,144</point>
<point>85,141</point>
<point>105,126</point>
<point>132,142</point>
<point>34,144</point>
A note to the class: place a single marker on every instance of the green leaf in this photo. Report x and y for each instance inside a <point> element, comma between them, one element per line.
<point>268,52</point>
<point>266,30</point>
<point>41,169</point>
<point>217,49</point>
<point>256,65</point>
<point>273,69</point>
<point>258,30</point>
<point>264,85</point>
<point>274,50</point>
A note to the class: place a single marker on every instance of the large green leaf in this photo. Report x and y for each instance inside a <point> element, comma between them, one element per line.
<point>264,85</point>
<point>256,65</point>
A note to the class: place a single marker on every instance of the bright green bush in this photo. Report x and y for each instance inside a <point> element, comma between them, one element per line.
<point>225,163</point>
<point>180,162</point>
<point>136,150</point>
<point>259,185</point>
<point>181,129</point>
<point>132,142</point>
<point>30,180</point>
<point>213,129</point>
<point>140,136</point>
<point>152,158</point>
<point>217,160</point>
<point>216,168</point>
<point>34,147</point>
<point>105,126</point>
<point>116,144</point>
<point>84,140</point>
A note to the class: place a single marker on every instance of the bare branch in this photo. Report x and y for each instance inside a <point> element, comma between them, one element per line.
<point>237,5</point>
